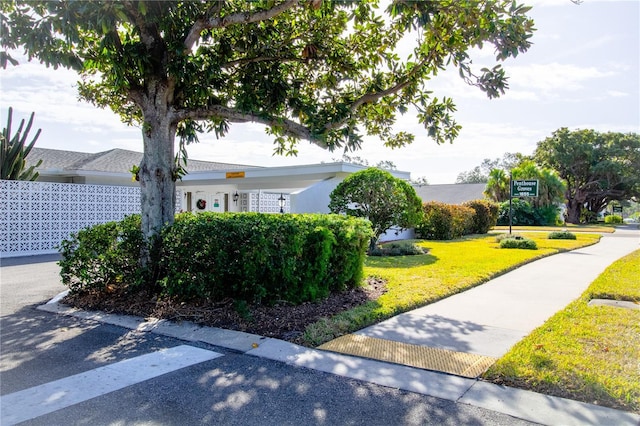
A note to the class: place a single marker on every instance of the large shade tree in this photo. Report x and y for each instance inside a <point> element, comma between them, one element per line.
<point>324,71</point>
<point>597,167</point>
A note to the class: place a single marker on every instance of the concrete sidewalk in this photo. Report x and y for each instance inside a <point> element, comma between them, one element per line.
<point>484,322</point>
<point>489,319</point>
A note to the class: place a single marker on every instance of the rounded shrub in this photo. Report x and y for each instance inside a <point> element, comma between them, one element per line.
<point>485,216</point>
<point>398,248</point>
<point>561,235</point>
<point>522,243</point>
<point>613,219</point>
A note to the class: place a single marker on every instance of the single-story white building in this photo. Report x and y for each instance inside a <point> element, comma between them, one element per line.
<point>77,189</point>
<point>209,186</point>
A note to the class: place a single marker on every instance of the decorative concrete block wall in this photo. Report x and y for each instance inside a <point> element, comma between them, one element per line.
<point>264,202</point>
<point>36,216</point>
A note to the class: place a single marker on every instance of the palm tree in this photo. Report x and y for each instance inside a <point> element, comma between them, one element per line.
<point>497,188</point>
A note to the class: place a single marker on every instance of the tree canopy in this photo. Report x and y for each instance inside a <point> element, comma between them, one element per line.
<point>597,167</point>
<point>377,195</point>
<point>319,70</point>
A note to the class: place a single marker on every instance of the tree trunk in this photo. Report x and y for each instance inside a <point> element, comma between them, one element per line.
<point>573,211</point>
<point>156,175</point>
<point>372,244</point>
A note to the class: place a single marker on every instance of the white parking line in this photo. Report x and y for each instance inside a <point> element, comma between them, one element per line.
<point>39,400</point>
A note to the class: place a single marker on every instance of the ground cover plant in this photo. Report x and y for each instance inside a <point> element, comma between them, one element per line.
<point>398,248</point>
<point>562,235</point>
<point>518,243</point>
<point>449,268</point>
<point>586,353</point>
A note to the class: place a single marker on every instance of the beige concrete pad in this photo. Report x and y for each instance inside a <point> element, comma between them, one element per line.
<point>458,363</point>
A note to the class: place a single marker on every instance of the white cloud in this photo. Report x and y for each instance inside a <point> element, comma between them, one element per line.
<point>554,77</point>
<point>617,94</point>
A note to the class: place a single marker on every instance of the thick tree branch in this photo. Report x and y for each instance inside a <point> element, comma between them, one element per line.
<point>234,18</point>
<point>373,97</point>
<point>289,127</point>
<point>147,37</point>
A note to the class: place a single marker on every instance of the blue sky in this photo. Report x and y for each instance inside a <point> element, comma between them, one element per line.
<point>582,72</point>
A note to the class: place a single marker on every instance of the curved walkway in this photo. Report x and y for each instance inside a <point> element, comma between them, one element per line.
<point>486,321</point>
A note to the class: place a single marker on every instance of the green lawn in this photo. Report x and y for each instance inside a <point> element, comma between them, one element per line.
<point>607,229</point>
<point>449,268</point>
<point>586,353</point>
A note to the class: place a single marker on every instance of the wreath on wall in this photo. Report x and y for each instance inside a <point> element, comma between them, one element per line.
<point>201,204</point>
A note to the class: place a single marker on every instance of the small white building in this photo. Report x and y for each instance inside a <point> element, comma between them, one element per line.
<point>220,187</point>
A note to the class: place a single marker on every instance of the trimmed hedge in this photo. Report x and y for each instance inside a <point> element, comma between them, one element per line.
<point>249,256</point>
<point>485,216</point>
<point>443,221</point>
<point>103,255</point>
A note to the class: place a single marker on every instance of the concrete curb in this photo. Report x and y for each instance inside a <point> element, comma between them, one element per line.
<point>522,404</point>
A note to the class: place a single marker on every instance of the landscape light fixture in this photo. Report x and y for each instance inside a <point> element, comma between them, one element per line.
<point>235,197</point>
<point>281,201</point>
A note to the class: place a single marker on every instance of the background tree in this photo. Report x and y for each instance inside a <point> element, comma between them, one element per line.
<point>376,195</point>
<point>474,175</point>
<point>480,174</point>
<point>596,167</point>
<point>354,159</point>
<point>497,188</point>
<point>14,150</point>
<point>420,181</point>
<point>323,71</point>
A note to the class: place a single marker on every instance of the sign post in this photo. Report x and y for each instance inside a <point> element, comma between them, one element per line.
<point>520,188</point>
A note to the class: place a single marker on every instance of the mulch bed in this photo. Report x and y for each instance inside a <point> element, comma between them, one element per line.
<point>282,321</point>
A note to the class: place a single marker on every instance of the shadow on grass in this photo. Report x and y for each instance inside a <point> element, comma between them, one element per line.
<point>400,261</point>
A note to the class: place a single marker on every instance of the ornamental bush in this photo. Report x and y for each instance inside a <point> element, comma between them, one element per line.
<point>561,235</point>
<point>103,255</point>
<point>398,248</point>
<point>443,221</point>
<point>249,257</point>
<point>520,243</point>
<point>613,219</point>
<point>485,216</point>
<point>524,214</point>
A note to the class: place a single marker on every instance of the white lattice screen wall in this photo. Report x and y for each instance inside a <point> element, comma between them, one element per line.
<point>36,216</point>
<point>265,202</point>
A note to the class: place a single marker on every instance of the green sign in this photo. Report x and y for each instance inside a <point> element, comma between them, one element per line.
<point>617,209</point>
<point>524,188</point>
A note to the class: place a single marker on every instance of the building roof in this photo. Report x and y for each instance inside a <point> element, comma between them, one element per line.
<point>112,161</point>
<point>455,193</point>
